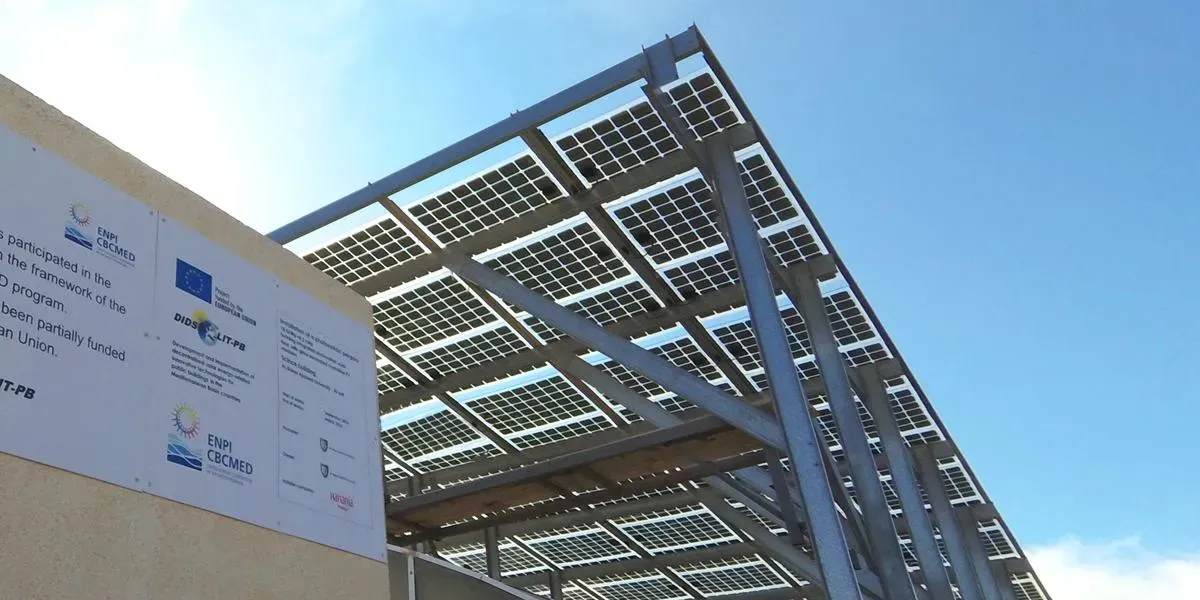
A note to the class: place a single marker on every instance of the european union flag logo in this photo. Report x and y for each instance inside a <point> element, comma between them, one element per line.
<point>193,281</point>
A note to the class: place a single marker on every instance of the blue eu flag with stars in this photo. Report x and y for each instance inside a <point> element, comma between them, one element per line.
<point>193,281</point>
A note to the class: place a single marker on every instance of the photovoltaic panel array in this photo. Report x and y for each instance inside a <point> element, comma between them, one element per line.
<point>664,254</point>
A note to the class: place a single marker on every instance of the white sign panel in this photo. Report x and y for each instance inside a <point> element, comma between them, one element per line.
<point>265,401</point>
<point>136,351</point>
<point>329,464</point>
<point>213,410</point>
<point>76,271</point>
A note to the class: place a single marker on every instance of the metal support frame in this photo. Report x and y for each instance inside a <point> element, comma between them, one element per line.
<point>881,531</point>
<point>658,65</point>
<point>491,546</point>
<point>791,405</point>
<point>969,527</point>
<point>952,536</point>
<point>682,46</point>
<point>905,482</point>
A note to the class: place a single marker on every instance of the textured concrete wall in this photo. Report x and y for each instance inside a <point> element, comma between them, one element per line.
<point>64,536</point>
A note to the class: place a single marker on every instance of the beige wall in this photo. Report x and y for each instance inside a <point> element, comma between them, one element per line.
<point>64,536</point>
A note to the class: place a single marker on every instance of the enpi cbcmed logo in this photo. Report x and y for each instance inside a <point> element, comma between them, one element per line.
<point>83,231</point>
<point>185,426</point>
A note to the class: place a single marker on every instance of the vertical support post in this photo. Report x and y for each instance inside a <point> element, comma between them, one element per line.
<point>904,480</point>
<point>1003,580</point>
<point>979,558</point>
<point>556,591</point>
<point>829,541</point>
<point>943,513</point>
<point>783,497</point>
<point>881,531</point>
<point>492,547</point>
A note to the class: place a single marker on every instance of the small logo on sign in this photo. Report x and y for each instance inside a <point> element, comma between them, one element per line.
<point>324,444</point>
<point>324,470</point>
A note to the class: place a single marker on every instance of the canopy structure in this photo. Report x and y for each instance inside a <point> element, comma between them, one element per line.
<point>628,364</point>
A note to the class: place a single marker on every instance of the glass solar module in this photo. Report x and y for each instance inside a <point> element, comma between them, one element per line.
<point>390,378</point>
<point>438,430</point>
<point>624,301</point>
<point>794,244</point>
<point>380,245</point>
<point>616,144</point>
<point>433,311</point>
<point>514,560</point>
<point>532,405</point>
<point>649,587</point>
<point>705,274</point>
<point>562,264</point>
<point>732,576</point>
<point>678,529</point>
<point>491,345</point>
<point>996,540</point>
<point>959,487</point>
<point>587,546</point>
<point>703,105</point>
<point>498,195</point>
<point>1027,588</point>
<point>674,223</point>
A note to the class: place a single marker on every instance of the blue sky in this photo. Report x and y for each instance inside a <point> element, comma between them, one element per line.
<point>1013,185</point>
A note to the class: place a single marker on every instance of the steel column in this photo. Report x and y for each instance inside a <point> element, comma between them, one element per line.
<point>779,481</point>
<point>943,513</point>
<point>791,405</point>
<point>903,479</point>
<point>556,592</point>
<point>1003,579</point>
<point>492,548</point>
<point>969,527</point>
<point>881,530</point>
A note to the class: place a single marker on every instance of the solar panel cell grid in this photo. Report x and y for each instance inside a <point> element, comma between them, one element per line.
<point>564,264</point>
<point>377,247</point>
<point>535,404</point>
<point>704,275</point>
<point>692,530</point>
<point>562,432</point>
<point>749,576</point>
<point>849,323</point>
<point>618,143</point>
<point>390,378</point>
<point>652,588</point>
<point>588,547</point>
<point>456,459</point>
<point>428,313</point>
<point>794,245</point>
<point>703,105</point>
<point>995,540</point>
<point>620,303</point>
<point>438,431</point>
<point>673,223</point>
<point>499,195</point>
<point>483,348</point>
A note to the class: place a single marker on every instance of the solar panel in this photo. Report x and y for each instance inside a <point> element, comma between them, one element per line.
<point>582,547</point>
<point>380,245</point>
<point>644,587</point>
<point>677,529</point>
<point>731,576</point>
<point>429,312</point>
<point>666,218</point>
<point>494,197</point>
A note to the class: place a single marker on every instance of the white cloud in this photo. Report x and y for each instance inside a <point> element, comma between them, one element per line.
<point>1119,570</point>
